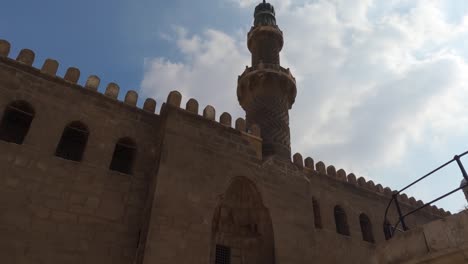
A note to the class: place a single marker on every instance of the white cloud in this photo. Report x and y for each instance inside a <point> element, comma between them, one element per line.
<point>374,77</point>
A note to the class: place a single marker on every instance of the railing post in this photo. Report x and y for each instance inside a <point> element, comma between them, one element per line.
<point>400,215</point>
<point>460,165</point>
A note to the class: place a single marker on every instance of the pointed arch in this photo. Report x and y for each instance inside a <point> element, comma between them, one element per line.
<point>242,223</point>
<point>124,156</point>
<point>73,142</point>
<point>16,121</point>
<point>366,228</point>
<point>341,221</point>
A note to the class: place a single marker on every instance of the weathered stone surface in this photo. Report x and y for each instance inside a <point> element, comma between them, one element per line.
<point>309,163</point>
<point>92,83</point>
<point>225,119</point>
<point>331,171</point>
<point>149,105</point>
<point>192,106</point>
<point>50,66</point>
<point>4,48</point>
<point>320,167</point>
<point>72,75</point>
<point>174,98</point>
<point>297,160</point>
<point>112,90</point>
<point>352,179</point>
<point>26,56</point>
<point>131,98</point>
<point>240,125</point>
<point>209,112</point>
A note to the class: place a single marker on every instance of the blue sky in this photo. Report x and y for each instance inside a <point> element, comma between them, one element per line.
<point>382,85</point>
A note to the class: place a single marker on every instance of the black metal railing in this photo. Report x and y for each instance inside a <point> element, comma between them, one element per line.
<point>389,229</point>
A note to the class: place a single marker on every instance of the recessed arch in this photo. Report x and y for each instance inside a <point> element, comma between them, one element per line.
<point>16,121</point>
<point>124,156</point>
<point>73,141</point>
<point>366,228</point>
<point>341,221</point>
<point>242,224</point>
<point>317,213</point>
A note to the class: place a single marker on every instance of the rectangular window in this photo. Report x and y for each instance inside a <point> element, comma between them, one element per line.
<point>223,255</point>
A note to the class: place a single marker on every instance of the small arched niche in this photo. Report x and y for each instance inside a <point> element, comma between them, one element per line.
<point>366,228</point>
<point>124,156</point>
<point>341,221</point>
<point>242,231</point>
<point>73,142</point>
<point>16,121</point>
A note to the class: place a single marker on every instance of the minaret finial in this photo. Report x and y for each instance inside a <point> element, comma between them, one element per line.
<point>264,14</point>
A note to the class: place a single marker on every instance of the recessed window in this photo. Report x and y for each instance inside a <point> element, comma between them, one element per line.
<point>223,255</point>
<point>73,141</point>
<point>124,156</point>
<point>341,221</point>
<point>16,121</point>
<point>317,214</point>
<point>366,228</point>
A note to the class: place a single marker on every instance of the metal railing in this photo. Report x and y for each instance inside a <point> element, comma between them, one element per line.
<point>389,229</point>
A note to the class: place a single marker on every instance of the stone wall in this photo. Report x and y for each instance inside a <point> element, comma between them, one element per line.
<point>443,241</point>
<point>54,210</point>
<point>202,158</point>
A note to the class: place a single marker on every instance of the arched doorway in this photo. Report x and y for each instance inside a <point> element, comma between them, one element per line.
<point>242,229</point>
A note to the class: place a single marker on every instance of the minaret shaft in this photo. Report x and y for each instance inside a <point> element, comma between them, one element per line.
<point>266,91</point>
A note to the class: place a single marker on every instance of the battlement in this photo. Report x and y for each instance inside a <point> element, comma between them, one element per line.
<point>25,60</point>
<point>308,165</point>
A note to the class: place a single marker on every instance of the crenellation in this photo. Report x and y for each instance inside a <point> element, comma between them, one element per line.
<point>419,203</point>
<point>361,182</point>
<point>404,198</point>
<point>209,113</point>
<point>240,125</point>
<point>112,90</point>
<point>320,167</point>
<point>192,106</point>
<point>149,105</point>
<point>352,179</point>
<point>379,188</point>
<point>226,119</point>
<point>388,192</point>
<point>174,98</point>
<point>371,185</point>
<point>298,161</point>
<point>309,163</point>
<point>72,75</point>
<point>341,175</point>
<point>331,171</point>
<point>92,83</point>
<point>131,98</point>
<point>412,201</point>
<point>26,56</point>
<point>255,130</point>
<point>4,48</point>
<point>50,67</point>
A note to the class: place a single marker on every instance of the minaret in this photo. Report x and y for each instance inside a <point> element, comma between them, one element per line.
<point>266,91</point>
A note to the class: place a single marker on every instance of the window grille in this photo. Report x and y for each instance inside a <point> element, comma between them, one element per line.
<point>223,255</point>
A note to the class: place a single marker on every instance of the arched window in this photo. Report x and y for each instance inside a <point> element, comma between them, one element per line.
<point>366,228</point>
<point>341,221</point>
<point>73,142</point>
<point>16,121</point>
<point>317,215</point>
<point>387,230</point>
<point>124,155</point>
